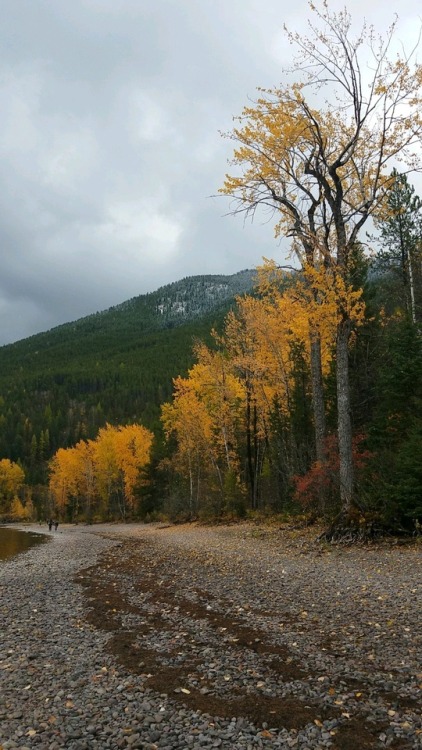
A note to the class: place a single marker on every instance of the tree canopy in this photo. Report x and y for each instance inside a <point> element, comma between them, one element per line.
<point>318,151</point>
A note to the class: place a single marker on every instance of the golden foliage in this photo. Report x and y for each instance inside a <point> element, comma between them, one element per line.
<point>324,171</point>
<point>235,389</point>
<point>12,478</point>
<point>94,470</point>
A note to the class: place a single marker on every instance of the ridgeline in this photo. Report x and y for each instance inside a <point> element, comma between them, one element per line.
<point>115,366</point>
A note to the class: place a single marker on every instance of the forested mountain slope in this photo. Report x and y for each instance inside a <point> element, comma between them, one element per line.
<point>60,386</point>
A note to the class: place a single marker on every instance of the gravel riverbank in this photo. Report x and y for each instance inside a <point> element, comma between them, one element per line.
<point>189,637</point>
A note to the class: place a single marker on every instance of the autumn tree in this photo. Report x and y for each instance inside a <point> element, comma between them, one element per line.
<point>259,340</point>
<point>204,417</point>
<point>269,344</point>
<point>97,476</point>
<point>316,151</point>
<point>65,470</point>
<point>187,419</point>
<point>84,457</point>
<point>12,478</point>
<point>133,448</point>
<point>236,409</point>
<point>20,511</point>
<point>222,396</point>
<point>246,335</point>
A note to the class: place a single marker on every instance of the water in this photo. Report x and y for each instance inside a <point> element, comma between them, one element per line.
<point>13,541</point>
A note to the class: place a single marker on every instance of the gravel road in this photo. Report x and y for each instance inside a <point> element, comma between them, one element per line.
<point>187,637</point>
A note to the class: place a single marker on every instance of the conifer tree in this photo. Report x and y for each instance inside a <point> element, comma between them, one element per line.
<point>401,240</point>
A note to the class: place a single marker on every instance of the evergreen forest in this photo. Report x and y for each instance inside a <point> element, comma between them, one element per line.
<point>295,393</point>
<point>115,367</point>
<point>224,398</point>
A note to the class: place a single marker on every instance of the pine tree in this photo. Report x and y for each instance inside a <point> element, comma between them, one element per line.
<point>401,238</point>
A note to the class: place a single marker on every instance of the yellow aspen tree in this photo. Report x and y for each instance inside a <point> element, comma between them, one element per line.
<point>12,478</point>
<point>133,449</point>
<point>187,418</point>
<point>107,470</point>
<point>323,169</point>
<point>259,342</point>
<point>262,337</point>
<point>223,395</point>
<point>85,480</point>
<point>17,509</point>
<point>64,470</point>
<point>309,301</point>
<point>22,507</point>
<point>302,305</point>
<point>251,366</point>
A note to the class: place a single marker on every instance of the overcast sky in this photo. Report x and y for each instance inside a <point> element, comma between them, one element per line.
<point>110,146</point>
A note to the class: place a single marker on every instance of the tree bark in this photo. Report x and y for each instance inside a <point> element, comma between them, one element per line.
<point>412,290</point>
<point>249,449</point>
<point>344,422</point>
<point>318,405</point>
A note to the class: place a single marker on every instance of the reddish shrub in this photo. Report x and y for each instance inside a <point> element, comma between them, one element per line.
<point>319,487</point>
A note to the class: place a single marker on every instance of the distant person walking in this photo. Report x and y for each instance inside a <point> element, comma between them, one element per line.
<point>50,524</point>
<point>56,525</point>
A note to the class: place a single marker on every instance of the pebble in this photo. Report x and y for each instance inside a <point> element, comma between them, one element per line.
<point>60,687</point>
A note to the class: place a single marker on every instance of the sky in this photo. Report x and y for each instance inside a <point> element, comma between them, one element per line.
<point>111,153</point>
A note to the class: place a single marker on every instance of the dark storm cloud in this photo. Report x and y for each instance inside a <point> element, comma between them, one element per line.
<point>110,147</point>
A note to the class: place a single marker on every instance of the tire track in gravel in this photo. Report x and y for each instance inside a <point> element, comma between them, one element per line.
<point>109,608</point>
<point>173,639</point>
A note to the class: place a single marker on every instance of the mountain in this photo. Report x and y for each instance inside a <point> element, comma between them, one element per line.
<point>191,297</point>
<point>115,366</point>
<point>170,306</point>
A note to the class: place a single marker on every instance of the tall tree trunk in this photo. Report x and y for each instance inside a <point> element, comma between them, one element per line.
<point>318,405</point>
<point>250,450</point>
<point>407,271</point>
<point>256,442</point>
<point>412,290</point>
<point>344,422</point>
<point>190,485</point>
<point>318,408</point>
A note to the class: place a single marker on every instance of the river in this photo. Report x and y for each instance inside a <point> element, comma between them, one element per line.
<point>13,541</point>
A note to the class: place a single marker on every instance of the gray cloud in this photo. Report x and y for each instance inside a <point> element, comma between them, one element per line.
<point>110,146</point>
